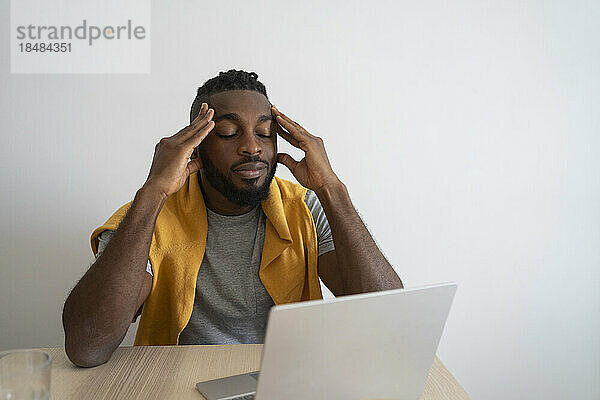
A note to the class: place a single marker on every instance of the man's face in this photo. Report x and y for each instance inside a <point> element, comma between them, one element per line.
<point>239,156</point>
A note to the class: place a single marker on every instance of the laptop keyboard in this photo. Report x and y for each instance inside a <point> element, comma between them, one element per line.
<point>248,396</point>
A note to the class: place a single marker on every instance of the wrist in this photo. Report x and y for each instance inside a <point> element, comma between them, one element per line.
<point>333,192</point>
<point>148,192</point>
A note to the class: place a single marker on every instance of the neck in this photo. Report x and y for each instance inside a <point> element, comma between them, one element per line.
<point>215,200</point>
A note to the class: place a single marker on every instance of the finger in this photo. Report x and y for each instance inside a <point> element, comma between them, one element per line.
<point>287,160</point>
<point>287,136</point>
<point>186,129</point>
<point>203,110</point>
<point>189,131</point>
<point>199,117</point>
<point>208,115</point>
<point>201,113</point>
<point>197,138</point>
<point>289,120</point>
<point>193,166</point>
<point>300,137</point>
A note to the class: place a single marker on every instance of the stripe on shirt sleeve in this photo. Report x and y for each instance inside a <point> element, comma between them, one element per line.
<point>324,238</point>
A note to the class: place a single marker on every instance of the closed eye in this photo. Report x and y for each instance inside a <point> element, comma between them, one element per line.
<point>266,133</point>
<point>234,134</point>
<point>228,136</point>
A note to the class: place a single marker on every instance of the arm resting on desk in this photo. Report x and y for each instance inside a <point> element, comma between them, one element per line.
<point>100,308</point>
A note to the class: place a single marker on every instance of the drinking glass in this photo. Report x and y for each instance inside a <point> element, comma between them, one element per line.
<point>24,374</point>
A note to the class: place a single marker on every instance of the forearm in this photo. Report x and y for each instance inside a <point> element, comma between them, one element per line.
<point>362,265</point>
<point>100,308</point>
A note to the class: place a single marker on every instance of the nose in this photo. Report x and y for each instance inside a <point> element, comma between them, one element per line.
<point>249,145</point>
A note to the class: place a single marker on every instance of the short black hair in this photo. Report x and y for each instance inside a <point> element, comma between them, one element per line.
<point>230,80</point>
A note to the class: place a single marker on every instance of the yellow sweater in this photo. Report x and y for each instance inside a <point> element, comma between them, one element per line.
<point>288,268</point>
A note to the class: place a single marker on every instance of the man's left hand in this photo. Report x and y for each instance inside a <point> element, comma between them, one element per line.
<point>314,170</point>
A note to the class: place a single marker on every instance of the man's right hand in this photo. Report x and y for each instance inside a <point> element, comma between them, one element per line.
<point>171,165</point>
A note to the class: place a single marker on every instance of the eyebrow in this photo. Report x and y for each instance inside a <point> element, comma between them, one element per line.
<point>236,117</point>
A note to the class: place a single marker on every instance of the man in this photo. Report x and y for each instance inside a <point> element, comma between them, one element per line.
<point>212,239</point>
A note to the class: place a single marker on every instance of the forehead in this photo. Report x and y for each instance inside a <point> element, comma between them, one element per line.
<point>243,102</point>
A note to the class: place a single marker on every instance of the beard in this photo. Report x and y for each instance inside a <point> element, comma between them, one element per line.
<point>224,185</point>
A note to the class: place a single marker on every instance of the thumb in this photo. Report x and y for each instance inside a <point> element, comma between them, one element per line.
<point>193,166</point>
<point>287,160</point>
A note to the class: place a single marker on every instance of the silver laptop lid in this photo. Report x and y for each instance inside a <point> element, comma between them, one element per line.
<point>373,345</point>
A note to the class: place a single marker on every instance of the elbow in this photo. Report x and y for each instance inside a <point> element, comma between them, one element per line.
<point>86,358</point>
<point>400,284</point>
<point>80,350</point>
<point>86,362</point>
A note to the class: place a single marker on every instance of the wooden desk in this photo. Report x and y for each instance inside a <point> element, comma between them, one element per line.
<point>171,372</point>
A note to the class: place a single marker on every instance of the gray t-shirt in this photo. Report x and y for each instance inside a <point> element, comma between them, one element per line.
<point>231,304</point>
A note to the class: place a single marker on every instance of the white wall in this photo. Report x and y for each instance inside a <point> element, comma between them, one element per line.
<point>467,132</point>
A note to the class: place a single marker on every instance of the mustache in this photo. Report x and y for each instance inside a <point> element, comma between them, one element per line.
<point>249,160</point>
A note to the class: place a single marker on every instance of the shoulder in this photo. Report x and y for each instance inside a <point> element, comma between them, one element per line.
<point>117,216</point>
<point>312,201</point>
<point>290,190</point>
<point>111,224</point>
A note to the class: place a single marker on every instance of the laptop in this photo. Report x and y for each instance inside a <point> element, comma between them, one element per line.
<point>378,345</point>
